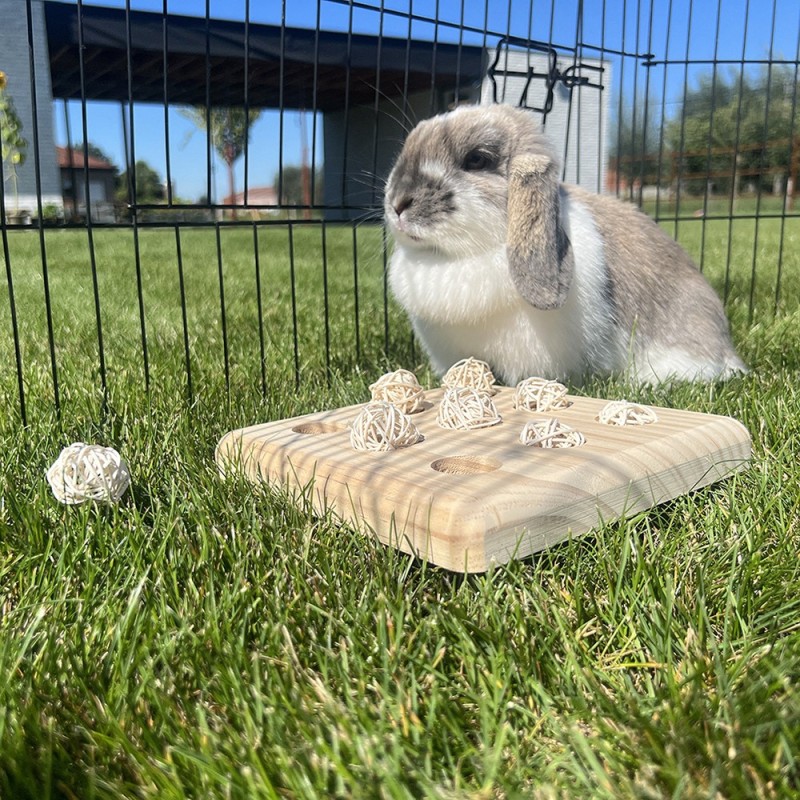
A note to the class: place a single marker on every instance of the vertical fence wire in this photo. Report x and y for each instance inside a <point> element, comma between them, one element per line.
<point>12,304</point>
<point>293,290</point>
<point>89,220</point>
<point>602,138</point>
<point>754,260</point>
<point>709,145</point>
<point>375,140</point>
<point>132,187</point>
<point>184,317</point>
<point>637,196</point>
<point>326,299</point>
<point>736,147</point>
<point>646,110</point>
<point>344,189</point>
<point>507,33</point>
<point>664,84</point>
<point>432,104</point>
<point>210,189</point>
<point>245,196</point>
<point>407,115</point>
<point>792,154</point>
<point>73,175</point>
<point>356,308</point>
<point>178,244</point>
<point>260,312</point>
<point>281,99</point>
<point>485,26</point>
<point>165,89</point>
<point>262,349</point>
<point>621,83</point>
<point>459,54</point>
<point>223,311</point>
<point>576,56</point>
<point>679,176</point>
<point>311,198</point>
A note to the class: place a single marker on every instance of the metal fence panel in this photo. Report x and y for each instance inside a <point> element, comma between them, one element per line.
<point>689,110</point>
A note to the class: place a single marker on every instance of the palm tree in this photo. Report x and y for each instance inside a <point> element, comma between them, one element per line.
<point>229,128</point>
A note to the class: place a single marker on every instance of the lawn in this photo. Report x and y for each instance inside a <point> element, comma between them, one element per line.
<point>205,638</point>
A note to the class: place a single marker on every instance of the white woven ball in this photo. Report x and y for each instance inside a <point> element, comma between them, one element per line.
<point>466,408</point>
<point>540,394</point>
<point>470,372</point>
<point>621,412</point>
<point>381,426</point>
<point>400,388</point>
<point>88,472</point>
<point>550,433</point>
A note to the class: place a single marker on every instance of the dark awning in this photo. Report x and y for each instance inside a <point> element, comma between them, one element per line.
<point>205,59</point>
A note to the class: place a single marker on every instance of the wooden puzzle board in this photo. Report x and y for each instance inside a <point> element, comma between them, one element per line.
<point>465,499</point>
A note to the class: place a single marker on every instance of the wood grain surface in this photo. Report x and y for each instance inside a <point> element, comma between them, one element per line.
<point>465,499</point>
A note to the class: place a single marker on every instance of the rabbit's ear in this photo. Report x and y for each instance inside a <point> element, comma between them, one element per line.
<point>539,252</point>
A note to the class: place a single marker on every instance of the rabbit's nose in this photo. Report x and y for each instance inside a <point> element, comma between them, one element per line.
<point>402,204</point>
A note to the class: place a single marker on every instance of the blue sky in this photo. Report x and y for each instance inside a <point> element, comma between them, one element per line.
<point>729,30</point>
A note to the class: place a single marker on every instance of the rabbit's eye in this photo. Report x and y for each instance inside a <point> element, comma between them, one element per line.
<point>478,160</point>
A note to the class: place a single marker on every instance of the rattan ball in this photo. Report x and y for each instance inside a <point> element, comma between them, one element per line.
<point>621,412</point>
<point>540,394</point>
<point>466,408</point>
<point>550,433</point>
<point>382,426</point>
<point>470,372</point>
<point>88,472</point>
<point>400,388</point>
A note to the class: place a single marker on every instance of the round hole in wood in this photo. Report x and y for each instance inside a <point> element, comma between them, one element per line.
<point>465,465</point>
<point>317,428</point>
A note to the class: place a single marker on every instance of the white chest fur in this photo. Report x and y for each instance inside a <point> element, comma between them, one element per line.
<point>470,307</point>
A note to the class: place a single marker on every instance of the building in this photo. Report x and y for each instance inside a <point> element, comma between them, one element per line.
<point>255,196</point>
<point>256,202</point>
<point>75,172</point>
<point>27,90</point>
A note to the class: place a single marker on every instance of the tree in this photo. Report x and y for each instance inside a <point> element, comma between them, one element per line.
<point>13,146</point>
<point>95,151</point>
<point>291,185</point>
<point>737,126</point>
<point>636,142</point>
<point>149,187</point>
<point>228,127</point>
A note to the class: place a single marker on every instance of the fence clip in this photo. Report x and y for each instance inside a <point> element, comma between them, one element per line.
<point>571,77</point>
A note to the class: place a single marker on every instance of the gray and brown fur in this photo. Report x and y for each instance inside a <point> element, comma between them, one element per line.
<point>483,183</point>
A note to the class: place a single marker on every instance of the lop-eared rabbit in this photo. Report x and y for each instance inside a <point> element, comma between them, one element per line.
<point>495,258</point>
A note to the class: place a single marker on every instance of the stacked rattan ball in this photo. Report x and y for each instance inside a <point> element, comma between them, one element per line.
<point>467,408</point>
<point>540,394</point>
<point>382,426</point>
<point>400,388</point>
<point>550,433</point>
<point>471,373</point>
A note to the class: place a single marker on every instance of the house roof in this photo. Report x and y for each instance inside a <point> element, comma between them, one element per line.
<point>77,162</point>
<point>256,196</point>
<point>192,60</point>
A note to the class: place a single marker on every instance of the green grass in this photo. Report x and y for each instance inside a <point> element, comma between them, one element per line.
<point>205,638</point>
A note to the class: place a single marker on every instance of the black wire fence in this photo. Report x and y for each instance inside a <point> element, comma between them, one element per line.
<point>688,109</point>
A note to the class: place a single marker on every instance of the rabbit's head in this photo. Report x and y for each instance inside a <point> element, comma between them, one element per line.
<point>475,179</point>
